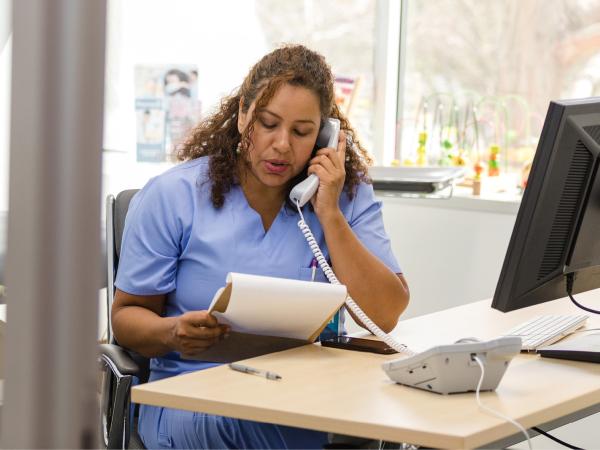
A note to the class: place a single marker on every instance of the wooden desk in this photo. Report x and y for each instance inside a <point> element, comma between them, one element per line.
<point>348,393</point>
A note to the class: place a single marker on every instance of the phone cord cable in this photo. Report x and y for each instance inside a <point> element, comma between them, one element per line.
<point>349,301</point>
<point>490,410</point>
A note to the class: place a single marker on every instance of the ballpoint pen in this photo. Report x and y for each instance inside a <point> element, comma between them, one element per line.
<point>313,266</point>
<point>251,370</point>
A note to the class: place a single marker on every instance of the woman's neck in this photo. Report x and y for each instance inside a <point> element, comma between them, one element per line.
<point>265,200</point>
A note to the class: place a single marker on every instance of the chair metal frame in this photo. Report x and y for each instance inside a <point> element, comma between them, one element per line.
<point>119,366</point>
<point>110,262</point>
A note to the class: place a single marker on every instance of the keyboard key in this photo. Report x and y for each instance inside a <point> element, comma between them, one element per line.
<point>545,330</point>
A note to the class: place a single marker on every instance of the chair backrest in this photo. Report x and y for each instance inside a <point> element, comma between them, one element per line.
<point>121,206</point>
<point>116,212</point>
<point>118,425</point>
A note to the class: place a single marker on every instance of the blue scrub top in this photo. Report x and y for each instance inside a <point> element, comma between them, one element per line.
<point>176,243</point>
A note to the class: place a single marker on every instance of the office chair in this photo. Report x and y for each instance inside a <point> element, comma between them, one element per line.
<point>119,366</point>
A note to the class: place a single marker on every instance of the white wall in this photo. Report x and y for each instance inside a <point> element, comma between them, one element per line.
<point>451,251</point>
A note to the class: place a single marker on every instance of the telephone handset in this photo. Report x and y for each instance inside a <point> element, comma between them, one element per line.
<point>328,137</point>
<point>302,193</point>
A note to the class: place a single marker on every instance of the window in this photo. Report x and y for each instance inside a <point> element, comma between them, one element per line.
<point>221,40</point>
<point>478,77</point>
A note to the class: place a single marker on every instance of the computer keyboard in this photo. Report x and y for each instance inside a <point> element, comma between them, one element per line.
<point>545,330</point>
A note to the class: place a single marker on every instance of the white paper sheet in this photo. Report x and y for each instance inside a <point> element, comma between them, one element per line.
<point>279,307</point>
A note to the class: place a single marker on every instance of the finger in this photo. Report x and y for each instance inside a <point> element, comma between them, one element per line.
<point>198,348</point>
<point>341,145</point>
<point>332,156</point>
<point>200,319</point>
<point>325,161</point>
<point>341,150</point>
<point>329,152</point>
<point>337,156</point>
<point>195,352</point>
<point>194,332</point>
<point>319,171</point>
<point>192,346</point>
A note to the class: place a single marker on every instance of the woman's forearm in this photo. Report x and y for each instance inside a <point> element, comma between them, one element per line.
<point>142,330</point>
<point>375,288</point>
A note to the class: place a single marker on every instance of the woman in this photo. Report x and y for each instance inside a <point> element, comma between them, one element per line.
<point>225,210</point>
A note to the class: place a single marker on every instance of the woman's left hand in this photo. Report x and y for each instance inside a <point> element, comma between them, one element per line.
<point>328,165</point>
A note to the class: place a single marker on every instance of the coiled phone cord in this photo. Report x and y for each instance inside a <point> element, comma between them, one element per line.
<point>378,331</point>
<point>349,301</point>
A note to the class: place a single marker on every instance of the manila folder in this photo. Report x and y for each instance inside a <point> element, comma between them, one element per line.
<point>269,314</point>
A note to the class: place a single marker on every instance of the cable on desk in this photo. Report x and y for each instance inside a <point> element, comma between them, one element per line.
<point>490,410</point>
<point>555,439</point>
<point>570,280</point>
<point>586,330</point>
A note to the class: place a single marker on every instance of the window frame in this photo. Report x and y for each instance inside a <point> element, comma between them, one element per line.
<point>388,56</point>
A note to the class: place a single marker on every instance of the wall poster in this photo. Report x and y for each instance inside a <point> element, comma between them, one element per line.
<point>167,108</point>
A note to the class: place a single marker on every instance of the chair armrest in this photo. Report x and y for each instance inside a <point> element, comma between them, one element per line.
<point>120,368</point>
<point>118,360</point>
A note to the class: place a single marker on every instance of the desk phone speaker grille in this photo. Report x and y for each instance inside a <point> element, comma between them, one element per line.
<point>579,172</point>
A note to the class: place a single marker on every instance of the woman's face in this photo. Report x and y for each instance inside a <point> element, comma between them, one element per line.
<point>284,135</point>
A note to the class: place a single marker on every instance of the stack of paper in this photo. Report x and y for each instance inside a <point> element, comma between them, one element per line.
<point>269,314</point>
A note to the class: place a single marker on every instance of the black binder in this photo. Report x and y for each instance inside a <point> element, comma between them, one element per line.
<point>581,348</point>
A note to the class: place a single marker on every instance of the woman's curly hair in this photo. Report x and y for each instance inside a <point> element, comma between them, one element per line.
<point>218,136</point>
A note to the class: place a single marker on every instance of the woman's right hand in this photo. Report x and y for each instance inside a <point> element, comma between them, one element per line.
<point>194,332</point>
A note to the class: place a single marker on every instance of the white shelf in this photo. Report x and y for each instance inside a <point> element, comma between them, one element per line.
<point>462,198</point>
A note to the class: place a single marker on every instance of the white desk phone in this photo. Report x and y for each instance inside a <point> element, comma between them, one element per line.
<point>444,369</point>
<point>328,137</point>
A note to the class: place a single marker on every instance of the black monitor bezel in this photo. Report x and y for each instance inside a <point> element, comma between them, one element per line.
<point>552,133</point>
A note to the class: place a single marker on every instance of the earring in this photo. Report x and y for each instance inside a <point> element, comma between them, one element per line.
<point>238,149</point>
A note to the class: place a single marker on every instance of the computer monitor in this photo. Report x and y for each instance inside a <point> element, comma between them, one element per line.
<point>556,236</point>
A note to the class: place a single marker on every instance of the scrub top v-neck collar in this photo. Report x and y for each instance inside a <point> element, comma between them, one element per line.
<point>278,230</point>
